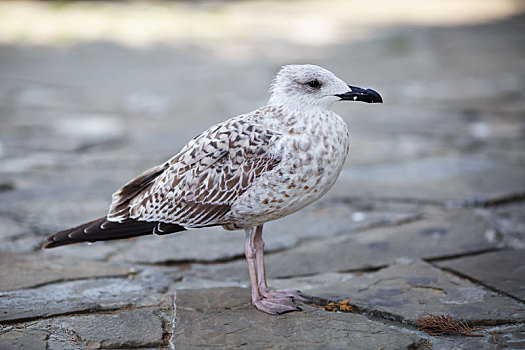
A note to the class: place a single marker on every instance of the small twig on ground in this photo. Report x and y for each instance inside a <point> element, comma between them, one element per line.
<point>441,324</point>
<point>345,306</point>
<point>330,306</point>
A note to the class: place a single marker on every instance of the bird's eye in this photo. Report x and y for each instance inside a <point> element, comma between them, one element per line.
<point>314,83</point>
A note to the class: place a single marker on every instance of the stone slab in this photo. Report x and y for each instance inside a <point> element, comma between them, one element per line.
<point>76,296</point>
<point>223,317</point>
<point>407,289</point>
<point>23,339</point>
<point>215,244</point>
<point>454,179</point>
<point>509,221</point>
<point>140,328</point>
<point>508,336</point>
<point>31,270</point>
<point>11,228</point>
<point>438,234</point>
<point>502,270</point>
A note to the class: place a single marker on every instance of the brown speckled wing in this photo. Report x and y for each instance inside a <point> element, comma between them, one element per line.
<point>197,187</point>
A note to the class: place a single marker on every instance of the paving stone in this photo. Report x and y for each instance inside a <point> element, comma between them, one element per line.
<point>439,234</point>
<point>427,144</point>
<point>99,251</point>
<point>461,179</point>
<point>508,336</point>
<point>75,296</point>
<point>215,244</point>
<point>407,289</point>
<point>503,270</point>
<point>509,221</point>
<point>484,340</point>
<point>22,244</point>
<point>25,271</point>
<point>23,339</point>
<point>223,317</point>
<point>60,337</point>
<point>138,328</point>
<point>191,282</point>
<point>11,228</point>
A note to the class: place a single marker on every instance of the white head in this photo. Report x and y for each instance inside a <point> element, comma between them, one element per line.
<point>308,86</point>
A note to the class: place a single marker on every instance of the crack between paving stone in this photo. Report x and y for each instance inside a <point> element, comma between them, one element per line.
<point>461,255</point>
<point>369,313</point>
<point>382,316</point>
<point>6,186</point>
<point>45,284</point>
<point>365,269</point>
<point>447,203</point>
<point>88,311</point>
<point>476,281</point>
<point>166,327</point>
<point>240,256</point>
<point>505,199</point>
<point>171,342</point>
<point>372,199</point>
<point>48,335</point>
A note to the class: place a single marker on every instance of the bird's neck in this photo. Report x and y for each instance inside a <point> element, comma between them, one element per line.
<point>297,107</point>
<point>298,120</point>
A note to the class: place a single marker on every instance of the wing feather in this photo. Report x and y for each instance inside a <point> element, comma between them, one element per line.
<point>197,187</point>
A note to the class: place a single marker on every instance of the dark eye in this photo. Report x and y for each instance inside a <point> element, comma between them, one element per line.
<point>314,83</point>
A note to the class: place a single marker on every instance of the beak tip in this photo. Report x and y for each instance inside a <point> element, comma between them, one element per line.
<point>374,96</point>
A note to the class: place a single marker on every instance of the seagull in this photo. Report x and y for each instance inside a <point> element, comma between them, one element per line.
<point>240,174</point>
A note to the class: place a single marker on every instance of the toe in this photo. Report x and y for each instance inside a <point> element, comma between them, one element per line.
<point>276,306</point>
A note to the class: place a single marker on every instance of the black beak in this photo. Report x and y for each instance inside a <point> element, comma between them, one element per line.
<point>363,95</point>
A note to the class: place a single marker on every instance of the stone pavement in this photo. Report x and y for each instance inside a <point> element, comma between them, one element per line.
<point>428,216</point>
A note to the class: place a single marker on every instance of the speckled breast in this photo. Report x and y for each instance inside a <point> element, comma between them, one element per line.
<point>312,155</point>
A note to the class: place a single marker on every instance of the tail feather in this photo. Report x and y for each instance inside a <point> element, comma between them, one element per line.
<point>104,230</point>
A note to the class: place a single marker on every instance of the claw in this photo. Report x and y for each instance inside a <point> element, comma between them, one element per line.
<point>276,306</point>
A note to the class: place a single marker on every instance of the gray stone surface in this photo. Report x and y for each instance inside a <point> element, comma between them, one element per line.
<point>407,289</point>
<point>435,173</point>
<point>215,244</point>
<point>439,234</point>
<point>509,221</point>
<point>22,271</point>
<point>77,296</point>
<point>23,339</point>
<point>140,328</point>
<point>222,317</point>
<point>503,270</point>
<point>452,180</point>
<point>508,337</point>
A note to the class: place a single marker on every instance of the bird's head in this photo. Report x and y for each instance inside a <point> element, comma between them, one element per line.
<point>308,86</point>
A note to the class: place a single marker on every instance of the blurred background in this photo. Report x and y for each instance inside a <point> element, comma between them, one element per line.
<point>94,93</point>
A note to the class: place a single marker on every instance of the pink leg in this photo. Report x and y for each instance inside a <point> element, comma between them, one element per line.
<point>261,272</point>
<point>272,305</point>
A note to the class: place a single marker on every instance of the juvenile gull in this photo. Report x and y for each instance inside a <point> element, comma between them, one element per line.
<point>241,173</point>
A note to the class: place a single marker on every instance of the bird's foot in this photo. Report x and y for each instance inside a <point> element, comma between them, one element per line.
<point>276,305</point>
<point>266,293</point>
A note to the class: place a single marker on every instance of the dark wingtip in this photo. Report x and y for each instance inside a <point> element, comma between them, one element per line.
<point>65,237</point>
<point>52,244</point>
<point>103,230</point>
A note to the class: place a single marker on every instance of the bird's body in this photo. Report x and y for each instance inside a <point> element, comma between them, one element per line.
<point>241,173</point>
